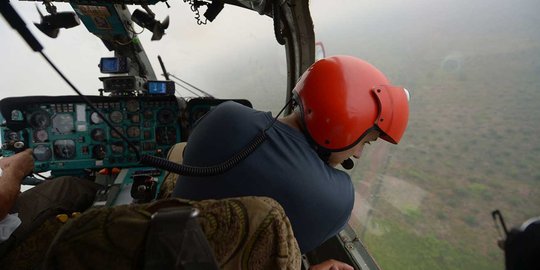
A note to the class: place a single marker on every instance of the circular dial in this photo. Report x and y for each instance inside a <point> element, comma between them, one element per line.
<point>42,153</point>
<point>97,134</point>
<point>166,135</point>
<point>117,148</point>
<point>132,105</point>
<point>39,120</point>
<point>135,118</point>
<point>13,136</point>
<point>138,147</point>
<point>95,118</point>
<point>116,117</point>
<point>165,116</point>
<point>148,114</point>
<point>63,123</point>
<point>99,152</point>
<point>116,135</point>
<point>133,131</point>
<point>64,149</point>
<point>41,135</point>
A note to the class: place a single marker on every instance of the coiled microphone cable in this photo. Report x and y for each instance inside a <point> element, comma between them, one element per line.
<point>220,168</point>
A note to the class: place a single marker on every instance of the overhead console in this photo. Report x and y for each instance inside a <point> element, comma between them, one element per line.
<point>66,134</point>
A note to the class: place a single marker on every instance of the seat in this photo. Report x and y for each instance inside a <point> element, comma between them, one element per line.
<point>240,233</point>
<point>243,232</point>
<point>175,154</point>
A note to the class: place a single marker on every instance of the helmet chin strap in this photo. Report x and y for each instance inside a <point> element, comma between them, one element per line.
<point>324,155</point>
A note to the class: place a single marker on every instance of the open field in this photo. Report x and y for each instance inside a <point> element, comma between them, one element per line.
<point>472,146</point>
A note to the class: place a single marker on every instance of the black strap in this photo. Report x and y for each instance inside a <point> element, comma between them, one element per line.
<point>176,241</point>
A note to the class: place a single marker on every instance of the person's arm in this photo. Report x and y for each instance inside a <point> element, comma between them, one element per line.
<point>331,265</point>
<point>14,169</point>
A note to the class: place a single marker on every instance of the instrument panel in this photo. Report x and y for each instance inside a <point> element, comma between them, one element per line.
<point>66,134</point>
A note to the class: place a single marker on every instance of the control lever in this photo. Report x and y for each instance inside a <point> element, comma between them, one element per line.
<point>18,146</point>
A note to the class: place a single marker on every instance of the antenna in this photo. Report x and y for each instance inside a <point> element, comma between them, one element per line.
<point>192,86</point>
<point>163,68</point>
<point>167,74</point>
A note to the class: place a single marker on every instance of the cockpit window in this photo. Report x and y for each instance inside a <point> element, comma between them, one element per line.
<point>235,56</point>
<point>471,145</point>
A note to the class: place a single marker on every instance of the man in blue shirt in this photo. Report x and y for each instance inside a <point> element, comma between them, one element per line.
<point>342,104</point>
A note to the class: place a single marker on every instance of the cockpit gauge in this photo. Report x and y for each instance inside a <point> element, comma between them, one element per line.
<point>116,135</point>
<point>116,117</point>
<point>41,135</point>
<point>137,146</point>
<point>39,120</point>
<point>95,118</point>
<point>13,136</point>
<point>97,134</point>
<point>135,118</point>
<point>166,135</point>
<point>42,153</point>
<point>64,149</point>
<point>133,132</point>
<point>148,114</point>
<point>165,116</point>
<point>132,105</point>
<point>63,123</point>
<point>117,148</point>
<point>99,152</point>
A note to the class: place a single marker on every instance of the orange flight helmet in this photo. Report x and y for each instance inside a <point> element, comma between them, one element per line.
<point>342,98</point>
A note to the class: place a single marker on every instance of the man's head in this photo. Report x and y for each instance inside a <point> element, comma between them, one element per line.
<point>346,102</point>
<point>339,157</point>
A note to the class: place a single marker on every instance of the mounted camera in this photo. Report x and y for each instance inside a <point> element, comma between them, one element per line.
<point>148,21</point>
<point>123,85</point>
<point>521,245</point>
<point>50,24</point>
<point>160,87</point>
<point>114,65</point>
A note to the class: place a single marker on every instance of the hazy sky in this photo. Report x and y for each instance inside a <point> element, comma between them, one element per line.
<point>202,55</point>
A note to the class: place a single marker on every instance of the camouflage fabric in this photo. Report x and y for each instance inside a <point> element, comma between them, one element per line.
<point>175,154</point>
<point>37,210</point>
<point>249,233</point>
<point>30,253</point>
<point>101,238</point>
<point>244,233</point>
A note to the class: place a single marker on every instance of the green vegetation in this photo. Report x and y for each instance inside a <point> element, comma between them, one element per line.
<point>401,249</point>
<point>472,146</point>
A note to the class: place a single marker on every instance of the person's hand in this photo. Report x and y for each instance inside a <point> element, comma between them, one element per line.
<point>331,265</point>
<point>18,165</point>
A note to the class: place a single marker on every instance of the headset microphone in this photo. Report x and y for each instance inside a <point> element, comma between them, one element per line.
<point>347,164</point>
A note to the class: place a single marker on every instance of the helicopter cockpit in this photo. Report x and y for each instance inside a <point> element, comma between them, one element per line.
<point>471,146</point>
<point>136,115</point>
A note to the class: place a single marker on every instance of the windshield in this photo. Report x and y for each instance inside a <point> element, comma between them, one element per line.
<point>472,144</point>
<point>236,56</point>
